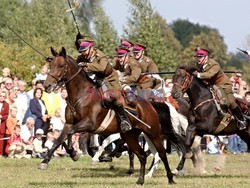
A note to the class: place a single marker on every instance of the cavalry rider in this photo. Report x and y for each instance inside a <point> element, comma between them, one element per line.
<point>128,67</point>
<point>124,43</point>
<point>211,72</point>
<point>95,61</point>
<point>147,66</point>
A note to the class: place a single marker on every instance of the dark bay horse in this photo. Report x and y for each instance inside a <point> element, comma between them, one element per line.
<point>85,115</point>
<point>206,117</point>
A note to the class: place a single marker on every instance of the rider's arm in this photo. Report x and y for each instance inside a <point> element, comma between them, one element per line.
<point>212,71</point>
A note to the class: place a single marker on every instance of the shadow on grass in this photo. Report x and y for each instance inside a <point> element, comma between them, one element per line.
<point>47,184</point>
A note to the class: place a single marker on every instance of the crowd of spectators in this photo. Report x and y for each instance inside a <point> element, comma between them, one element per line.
<point>31,119</point>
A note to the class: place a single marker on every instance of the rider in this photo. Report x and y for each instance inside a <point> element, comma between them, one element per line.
<point>128,67</point>
<point>95,61</point>
<point>210,71</point>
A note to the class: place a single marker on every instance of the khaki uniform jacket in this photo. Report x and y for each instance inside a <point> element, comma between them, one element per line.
<point>147,65</point>
<point>100,66</point>
<point>131,70</point>
<point>212,73</point>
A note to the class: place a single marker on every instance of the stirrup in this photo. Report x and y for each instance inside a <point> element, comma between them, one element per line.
<point>125,126</point>
<point>241,125</point>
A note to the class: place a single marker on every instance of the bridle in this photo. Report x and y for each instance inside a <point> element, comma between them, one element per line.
<point>188,80</point>
<point>185,85</point>
<point>62,80</point>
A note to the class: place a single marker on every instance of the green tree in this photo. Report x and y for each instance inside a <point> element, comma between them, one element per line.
<point>211,40</point>
<point>147,27</point>
<point>184,30</point>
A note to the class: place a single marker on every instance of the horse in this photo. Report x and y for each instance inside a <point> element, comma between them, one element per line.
<point>206,118</point>
<point>84,114</point>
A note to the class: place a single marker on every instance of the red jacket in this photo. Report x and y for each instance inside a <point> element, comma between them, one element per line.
<point>4,112</point>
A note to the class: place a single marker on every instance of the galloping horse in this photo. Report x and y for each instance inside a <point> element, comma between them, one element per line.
<point>86,115</point>
<point>206,116</point>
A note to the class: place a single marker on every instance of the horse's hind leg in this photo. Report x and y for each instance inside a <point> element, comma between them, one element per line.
<point>245,136</point>
<point>162,153</point>
<point>44,164</point>
<point>131,138</point>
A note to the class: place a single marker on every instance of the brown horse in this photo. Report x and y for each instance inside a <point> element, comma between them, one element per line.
<point>83,114</point>
<point>206,118</point>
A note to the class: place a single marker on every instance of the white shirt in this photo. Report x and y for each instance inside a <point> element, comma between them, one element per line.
<point>42,107</point>
<point>57,123</point>
<point>25,133</point>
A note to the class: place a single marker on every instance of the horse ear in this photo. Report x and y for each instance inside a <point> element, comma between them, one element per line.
<point>53,52</point>
<point>63,52</point>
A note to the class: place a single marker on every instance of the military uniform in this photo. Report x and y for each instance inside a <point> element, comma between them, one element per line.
<point>212,73</point>
<point>131,70</point>
<point>100,66</point>
<point>147,65</point>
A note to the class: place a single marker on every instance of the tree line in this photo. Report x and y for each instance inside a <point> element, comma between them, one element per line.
<point>45,23</point>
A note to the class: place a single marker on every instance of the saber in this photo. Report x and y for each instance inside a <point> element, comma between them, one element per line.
<point>71,10</point>
<point>26,42</point>
<point>137,118</point>
<point>173,72</point>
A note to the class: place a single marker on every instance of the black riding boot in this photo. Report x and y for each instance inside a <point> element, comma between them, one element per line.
<point>125,125</point>
<point>241,121</point>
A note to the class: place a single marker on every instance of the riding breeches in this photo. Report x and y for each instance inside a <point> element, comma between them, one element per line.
<point>230,98</point>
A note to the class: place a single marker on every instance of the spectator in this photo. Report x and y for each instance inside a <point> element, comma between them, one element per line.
<point>42,75</point>
<point>243,88</point>
<point>75,143</point>
<point>15,80</point>
<point>31,92</point>
<point>15,147</point>
<point>4,112</point>
<point>22,101</point>
<point>11,99</point>
<point>27,134</point>
<point>236,145</point>
<point>60,151</point>
<point>56,121</point>
<point>63,102</point>
<point>11,122</point>
<point>50,140</point>
<point>38,108</point>
<point>247,97</point>
<point>38,150</point>
<point>8,82</point>
<point>5,74</point>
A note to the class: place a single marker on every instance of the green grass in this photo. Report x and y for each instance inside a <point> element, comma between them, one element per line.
<point>66,173</point>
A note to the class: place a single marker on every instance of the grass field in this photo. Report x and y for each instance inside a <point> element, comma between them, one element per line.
<point>66,173</point>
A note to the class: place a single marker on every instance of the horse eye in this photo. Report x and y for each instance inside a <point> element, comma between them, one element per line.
<point>61,66</point>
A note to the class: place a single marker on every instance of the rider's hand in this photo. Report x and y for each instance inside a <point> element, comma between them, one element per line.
<point>195,73</point>
<point>82,64</point>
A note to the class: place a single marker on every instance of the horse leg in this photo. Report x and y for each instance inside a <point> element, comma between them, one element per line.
<point>190,135</point>
<point>44,164</point>
<point>131,162</point>
<point>105,143</point>
<point>131,138</point>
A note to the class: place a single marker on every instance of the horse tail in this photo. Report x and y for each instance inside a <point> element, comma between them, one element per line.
<point>167,128</point>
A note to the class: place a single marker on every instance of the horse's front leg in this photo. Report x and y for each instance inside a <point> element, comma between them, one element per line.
<point>44,164</point>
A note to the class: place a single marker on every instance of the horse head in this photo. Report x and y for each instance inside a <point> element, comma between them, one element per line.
<point>59,69</point>
<point>182,80</point>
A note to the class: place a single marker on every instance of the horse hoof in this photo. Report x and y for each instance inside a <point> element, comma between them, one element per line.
<point>140,182</point>
<point>105,159</point>
<point>171,182</point>
<point>43,166</point>
<point>175,172</point>
<point>76,157</point>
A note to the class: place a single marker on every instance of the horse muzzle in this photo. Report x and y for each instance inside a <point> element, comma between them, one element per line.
<point>50,87</point>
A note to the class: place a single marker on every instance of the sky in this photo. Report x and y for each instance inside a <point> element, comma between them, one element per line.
<point>230,17</point>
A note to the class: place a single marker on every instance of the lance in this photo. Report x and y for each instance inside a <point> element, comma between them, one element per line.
<point>27,42</point>
<point>173,72</point>
<point>71,10</point>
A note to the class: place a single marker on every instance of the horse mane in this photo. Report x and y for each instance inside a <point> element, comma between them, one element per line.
<point>190,69</point>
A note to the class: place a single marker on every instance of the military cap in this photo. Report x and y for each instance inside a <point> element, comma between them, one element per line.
<point>124,43</point>
<point>85,43</point>
<point>120,52</point>
<point>201,52</point>
<point>138,48</point>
